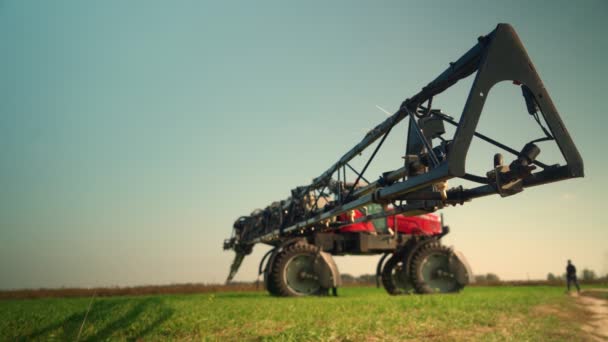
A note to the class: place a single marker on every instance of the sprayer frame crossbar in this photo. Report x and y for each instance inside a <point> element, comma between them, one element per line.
<point>498,56</point>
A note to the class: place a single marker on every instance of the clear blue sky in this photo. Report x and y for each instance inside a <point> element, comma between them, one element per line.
<point>133,134</point>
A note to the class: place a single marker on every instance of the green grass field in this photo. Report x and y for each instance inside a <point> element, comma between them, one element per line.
<point>479,313</point>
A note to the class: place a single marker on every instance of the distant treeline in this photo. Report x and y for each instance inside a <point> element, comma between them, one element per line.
<point>131,290</point>
<point>489,279</point>
<point>585,277</point>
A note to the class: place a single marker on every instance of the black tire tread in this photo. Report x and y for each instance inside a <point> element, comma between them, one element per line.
<point>387,275</point>
<point>270,285</point>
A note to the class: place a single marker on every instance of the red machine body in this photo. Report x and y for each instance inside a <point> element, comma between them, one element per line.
<point>428,224</point>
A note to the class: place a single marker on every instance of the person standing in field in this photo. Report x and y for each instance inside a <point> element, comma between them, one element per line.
<point>571,276</point>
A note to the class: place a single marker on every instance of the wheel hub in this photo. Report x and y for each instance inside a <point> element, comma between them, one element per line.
<point>435,275</point>
<point>300,276</point>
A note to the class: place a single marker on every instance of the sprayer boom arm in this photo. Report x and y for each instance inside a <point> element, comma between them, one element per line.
<point>420,186</point>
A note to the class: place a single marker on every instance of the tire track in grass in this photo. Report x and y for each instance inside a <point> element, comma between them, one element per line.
<point>597,324</point>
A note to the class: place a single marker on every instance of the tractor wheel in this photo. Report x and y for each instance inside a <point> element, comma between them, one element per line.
<point>293,272</point>
<point>268,283</point>
<point>395,279</point>
<point>266,270</point>
<point>431,270</point>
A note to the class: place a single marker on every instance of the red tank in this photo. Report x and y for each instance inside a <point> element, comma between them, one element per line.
<point>427,224</point>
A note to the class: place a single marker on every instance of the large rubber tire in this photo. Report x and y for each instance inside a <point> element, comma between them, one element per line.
<point>268,283</point>
<point>292,274</point>
<point>264,267</point>
<point>430,270</point>
<point>395,279</point>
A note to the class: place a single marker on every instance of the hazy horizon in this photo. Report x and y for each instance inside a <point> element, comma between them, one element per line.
<point>134,134</point>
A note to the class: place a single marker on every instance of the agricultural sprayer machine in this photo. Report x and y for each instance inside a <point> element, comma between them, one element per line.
<point>392,216</point>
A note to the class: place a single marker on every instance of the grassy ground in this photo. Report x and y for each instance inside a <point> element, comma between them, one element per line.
<point>480,313</point>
